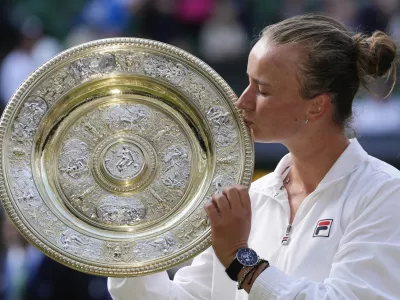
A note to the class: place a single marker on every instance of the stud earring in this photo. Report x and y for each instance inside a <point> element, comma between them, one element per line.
<point>307,121</point>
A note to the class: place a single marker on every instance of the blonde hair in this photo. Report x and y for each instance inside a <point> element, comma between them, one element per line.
<point>337,61</point>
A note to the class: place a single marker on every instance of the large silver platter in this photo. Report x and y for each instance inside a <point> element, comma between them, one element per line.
<point>110,150</point>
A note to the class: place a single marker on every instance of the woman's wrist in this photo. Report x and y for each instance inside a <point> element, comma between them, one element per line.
<point>252,276</point>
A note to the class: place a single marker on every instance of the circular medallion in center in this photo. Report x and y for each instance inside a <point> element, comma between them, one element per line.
<point>123,161</point>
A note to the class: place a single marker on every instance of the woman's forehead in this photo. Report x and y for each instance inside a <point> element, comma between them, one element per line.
<point>268,59</point>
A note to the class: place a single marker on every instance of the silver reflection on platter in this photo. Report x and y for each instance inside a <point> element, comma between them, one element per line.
<point>110,151</point>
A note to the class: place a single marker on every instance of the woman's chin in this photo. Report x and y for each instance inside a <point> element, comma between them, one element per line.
<point>257,138</point>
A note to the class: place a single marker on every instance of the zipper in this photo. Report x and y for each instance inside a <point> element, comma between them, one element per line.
<point>289,227</point>
<point>285,239</point>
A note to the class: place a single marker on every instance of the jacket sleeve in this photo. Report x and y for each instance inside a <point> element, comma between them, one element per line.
<point>190,283</point>
<point>365,266</point>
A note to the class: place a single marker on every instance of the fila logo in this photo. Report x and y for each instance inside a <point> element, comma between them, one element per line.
<point>323,228</point>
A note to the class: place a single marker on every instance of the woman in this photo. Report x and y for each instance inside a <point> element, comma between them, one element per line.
<point>326,220</point>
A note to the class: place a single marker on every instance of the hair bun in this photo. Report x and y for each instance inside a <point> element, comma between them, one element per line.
<point>376,54</point>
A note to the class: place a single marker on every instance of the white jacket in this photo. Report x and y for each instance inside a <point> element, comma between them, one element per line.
<point>344,242</point>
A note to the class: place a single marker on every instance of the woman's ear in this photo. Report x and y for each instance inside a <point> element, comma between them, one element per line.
<point>319,106</point>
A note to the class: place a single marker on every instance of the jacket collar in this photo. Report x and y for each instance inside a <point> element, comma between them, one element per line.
<point>352,157</point>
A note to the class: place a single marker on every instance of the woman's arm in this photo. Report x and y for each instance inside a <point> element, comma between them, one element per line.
<point>192,282</point>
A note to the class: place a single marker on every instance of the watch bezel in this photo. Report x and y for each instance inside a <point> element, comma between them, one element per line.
<point>238,257</point>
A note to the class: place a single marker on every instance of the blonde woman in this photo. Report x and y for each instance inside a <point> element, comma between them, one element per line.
<point>324,224</point>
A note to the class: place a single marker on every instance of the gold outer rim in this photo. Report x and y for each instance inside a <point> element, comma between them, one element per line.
<point>15,215</point>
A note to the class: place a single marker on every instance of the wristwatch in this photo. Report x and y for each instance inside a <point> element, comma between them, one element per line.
<point>245,257</point>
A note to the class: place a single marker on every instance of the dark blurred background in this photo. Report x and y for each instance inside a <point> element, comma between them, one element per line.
<point>221,32</point>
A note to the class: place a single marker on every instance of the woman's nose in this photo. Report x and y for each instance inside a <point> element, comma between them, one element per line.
<point>245,100</point>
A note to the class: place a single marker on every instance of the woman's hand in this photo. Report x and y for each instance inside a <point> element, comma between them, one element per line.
<point>230,218</point>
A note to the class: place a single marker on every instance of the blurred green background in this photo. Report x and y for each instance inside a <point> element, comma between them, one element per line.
<point>221,32</point>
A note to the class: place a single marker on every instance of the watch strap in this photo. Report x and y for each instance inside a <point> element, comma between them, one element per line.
<point>234,269</point>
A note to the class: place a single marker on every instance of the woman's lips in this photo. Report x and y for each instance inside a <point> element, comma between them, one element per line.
<point>248,123</point>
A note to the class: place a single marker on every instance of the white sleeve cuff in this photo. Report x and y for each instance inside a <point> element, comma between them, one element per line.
<point>270,283</point>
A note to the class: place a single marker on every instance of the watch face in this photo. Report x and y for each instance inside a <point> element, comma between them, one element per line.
<point>247,257</point>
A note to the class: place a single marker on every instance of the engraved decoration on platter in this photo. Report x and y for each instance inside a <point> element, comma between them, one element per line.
<point>110,151</point>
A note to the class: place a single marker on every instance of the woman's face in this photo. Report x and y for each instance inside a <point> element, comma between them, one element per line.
<point>271,104</point>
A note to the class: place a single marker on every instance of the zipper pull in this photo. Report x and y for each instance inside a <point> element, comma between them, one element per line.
<point>285,239</point>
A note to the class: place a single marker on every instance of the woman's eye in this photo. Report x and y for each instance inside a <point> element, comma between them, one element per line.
<point>264,93</point>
